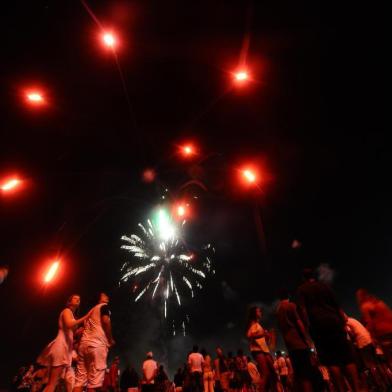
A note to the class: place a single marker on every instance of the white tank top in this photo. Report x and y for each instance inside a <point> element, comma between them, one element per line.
<point>259,344</point>
<point>93,334</point>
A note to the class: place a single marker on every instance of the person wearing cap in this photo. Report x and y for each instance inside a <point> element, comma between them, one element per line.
<point>150,368</point>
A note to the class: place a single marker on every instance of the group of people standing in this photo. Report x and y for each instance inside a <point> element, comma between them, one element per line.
<point>327,351</point>
<point>323,341</point>
<point>78,354</point>
<point>202,373</point>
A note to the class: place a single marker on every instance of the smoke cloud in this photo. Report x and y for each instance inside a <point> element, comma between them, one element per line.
<point>325,273</point>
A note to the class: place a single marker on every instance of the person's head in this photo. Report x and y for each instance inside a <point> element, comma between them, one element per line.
<point>240,352</point>
<point>283,294</point>
<point>364,296</point>
<point>249,359</point>
<point>22,370</point>
<point>255,314</point>
<point>103,298</point>
<point>161,368</point>
<point>195,348</point>
<point>219,351</point>
<point>149,355</point>
<point>308,274</point>
<point>230,354</point>
<point>279,353</point>
<point>116,360</point>
<point>203,352</point>
<point>73,302</point>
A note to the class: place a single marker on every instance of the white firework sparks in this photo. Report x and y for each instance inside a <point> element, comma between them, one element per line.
<point>161,265</point>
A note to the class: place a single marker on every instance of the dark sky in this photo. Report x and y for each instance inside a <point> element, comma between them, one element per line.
<point>313,117</point>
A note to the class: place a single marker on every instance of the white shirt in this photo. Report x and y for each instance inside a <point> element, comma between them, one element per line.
<point>93,333</point>
<point>361,334</point>
<point>195,362</point>
<point>149,370</point>
<point>259,344</point>
<point>281,364</point>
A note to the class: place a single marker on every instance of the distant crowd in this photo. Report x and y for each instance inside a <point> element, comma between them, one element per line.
<point>326,350</point>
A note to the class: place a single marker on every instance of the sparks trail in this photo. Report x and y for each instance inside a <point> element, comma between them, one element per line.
<point>247,35</point>
<point>120,72</point>
<point>91,13</point>
<point>127,97</point>
<point>161,265</point>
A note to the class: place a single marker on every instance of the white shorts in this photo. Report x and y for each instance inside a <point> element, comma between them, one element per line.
<point>90,370</point>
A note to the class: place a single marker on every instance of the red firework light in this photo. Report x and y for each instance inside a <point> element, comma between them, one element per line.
<point>52,271</point>
<point>109,40</point>
<point>188,150</point>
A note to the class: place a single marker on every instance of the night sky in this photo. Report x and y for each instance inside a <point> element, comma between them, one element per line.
<point>312,118</point>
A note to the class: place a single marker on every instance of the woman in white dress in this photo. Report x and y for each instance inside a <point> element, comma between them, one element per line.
<point>58,354</point>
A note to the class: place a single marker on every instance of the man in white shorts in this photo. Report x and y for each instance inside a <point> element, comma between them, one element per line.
<point>94,346</point>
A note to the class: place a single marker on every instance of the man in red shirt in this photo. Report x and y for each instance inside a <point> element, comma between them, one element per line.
<point>296,340</point>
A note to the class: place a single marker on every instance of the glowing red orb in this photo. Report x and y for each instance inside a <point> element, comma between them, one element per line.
<point>241,76</point>
<point>181,211</point>
<point>10,184</point>
<point>50,274</point>
<point>249,175</point>
<point>149,175</point>
<point>34,97</point>
<point>188,150</point>
<point>109,40</point>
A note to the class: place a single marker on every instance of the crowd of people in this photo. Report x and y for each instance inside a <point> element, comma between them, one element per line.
<point>326,350</point>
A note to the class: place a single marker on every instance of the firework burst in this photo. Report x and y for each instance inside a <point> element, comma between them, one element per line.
<point>161,266</point>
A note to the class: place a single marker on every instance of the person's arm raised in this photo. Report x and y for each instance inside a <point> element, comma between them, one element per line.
<point>70,321</point>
